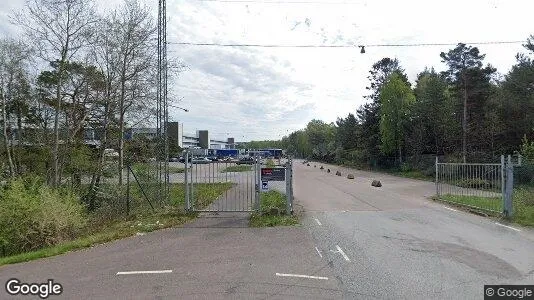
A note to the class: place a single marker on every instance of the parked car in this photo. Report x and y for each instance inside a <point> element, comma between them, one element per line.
<point>245,161</point>
<point>201,160</point>
<point>173,159</point>
<point>182,159</point>
<point>213,158</point>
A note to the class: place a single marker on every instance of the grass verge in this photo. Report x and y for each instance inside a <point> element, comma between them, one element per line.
<point>272,211</point>
<point>174,170</point>
<point>237,168</point>
<point>142,219</point>
<point>492,204</point>
<point>523,205</point>
<point>116,230</point>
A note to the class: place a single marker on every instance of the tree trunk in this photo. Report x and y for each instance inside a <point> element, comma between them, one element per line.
<point>55,152</point>
<point>400,155</point>
<point>464,122</point>
<point>6,140</point>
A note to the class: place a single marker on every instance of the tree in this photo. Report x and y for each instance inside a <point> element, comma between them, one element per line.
<point>133,58</point>
<point>470,80</point>
<point>517,101</point>
<point>432,114</point>
<point>14,92</point>
<point>321,137</point>
<point>59,29</point>
<point>368,115</point>
<point>396,97</point>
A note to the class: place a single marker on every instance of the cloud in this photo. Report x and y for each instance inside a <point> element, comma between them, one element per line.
<point>255,93</point>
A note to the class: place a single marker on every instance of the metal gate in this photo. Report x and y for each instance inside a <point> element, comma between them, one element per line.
<point>483,186</point>
<point>221,186</point>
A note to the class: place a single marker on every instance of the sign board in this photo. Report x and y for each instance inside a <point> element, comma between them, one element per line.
<point>273,174</point>
<point>265,185</point>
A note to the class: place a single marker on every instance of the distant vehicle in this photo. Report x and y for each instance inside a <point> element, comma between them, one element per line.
<point>111,153</point>
<point>227,152</point>
<point>173,159</point>
<point>182,159</point>
<point>201,160</point>
<point>213,158</point>
<point>245,161</point>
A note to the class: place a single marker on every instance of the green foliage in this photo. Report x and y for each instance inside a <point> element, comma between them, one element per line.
<point>527,149</point>
<point>272,211</point>
<point>272,199</point>
<point>396,98</point>
<point>238,168</point>
<point>33,216</point>
<point>270,163</point>
<point>488,204</point>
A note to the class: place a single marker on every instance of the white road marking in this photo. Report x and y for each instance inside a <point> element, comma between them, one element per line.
<point>317,221</point>
<point>449,208</point>
<point>342,253</point>
<point>301,276</point>
<point>318,252</point>
<point>144,272</point>
<point>507,226</point>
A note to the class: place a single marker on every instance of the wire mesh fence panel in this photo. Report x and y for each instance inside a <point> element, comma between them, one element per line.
<point>221,186</point>
<point>523,192</point>
<point>475,185</point>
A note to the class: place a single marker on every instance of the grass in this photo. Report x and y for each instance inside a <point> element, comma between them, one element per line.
<point>523,206</point>
<point>116,230</point>
<point>272,211</point>
<point>270,163</point>
<point>173,170</point>
<point>237,168</point>
<point>142,219</point>
<point>205,193</point>
<point>493,204</point>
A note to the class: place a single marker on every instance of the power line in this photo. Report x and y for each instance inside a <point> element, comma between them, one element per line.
<point>343,46</point>
<point>283,2</point>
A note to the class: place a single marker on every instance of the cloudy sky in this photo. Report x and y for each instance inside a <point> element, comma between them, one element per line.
<point>265,93</point>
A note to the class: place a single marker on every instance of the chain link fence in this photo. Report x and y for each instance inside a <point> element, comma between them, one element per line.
<point>523,192</point>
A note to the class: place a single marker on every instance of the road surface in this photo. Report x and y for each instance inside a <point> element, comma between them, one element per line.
<point>355,242</point>
<point>396,244</point>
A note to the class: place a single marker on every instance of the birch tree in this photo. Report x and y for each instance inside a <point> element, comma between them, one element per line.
<point>59,29</point>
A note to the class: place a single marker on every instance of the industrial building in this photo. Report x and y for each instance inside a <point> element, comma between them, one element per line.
<point>200,139</point>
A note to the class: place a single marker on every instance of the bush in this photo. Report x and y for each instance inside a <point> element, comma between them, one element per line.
<point>270,163</point>
<point>33,215</point>
<point>477,183</point>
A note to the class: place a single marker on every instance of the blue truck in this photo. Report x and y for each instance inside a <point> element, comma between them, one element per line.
<point>222,153</point>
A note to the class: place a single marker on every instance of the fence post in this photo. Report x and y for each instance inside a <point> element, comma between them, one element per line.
<point>186,182</point>
<point>288,192</point>
<point>509,188</point>
<point>127,190</point>
<point>437,177</point>
<point>291,182</point>
<point>257,172</point>
<point>503,184</point>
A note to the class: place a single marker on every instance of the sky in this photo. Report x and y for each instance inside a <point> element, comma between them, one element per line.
<point>254,93</point>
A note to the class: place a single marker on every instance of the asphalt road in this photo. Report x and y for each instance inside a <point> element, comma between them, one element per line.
<point>215,257</point>
<point>356,242</point>
<point>396,244</point>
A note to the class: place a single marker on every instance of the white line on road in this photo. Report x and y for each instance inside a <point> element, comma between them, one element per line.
<point>342,253</point>
<point>449,208</point>
<point>144,272</point>
<point>508,226</point>
<point>317,221</point>
<point>301,276</point>
<point>318,252</point>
